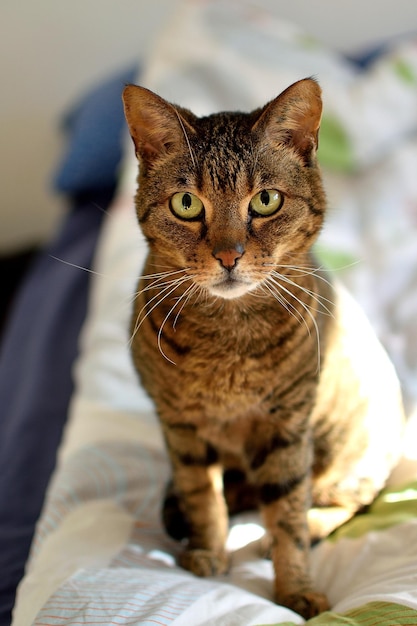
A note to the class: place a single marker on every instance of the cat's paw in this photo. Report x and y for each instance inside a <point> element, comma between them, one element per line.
<point>205,562</point>
<point>307,603</point>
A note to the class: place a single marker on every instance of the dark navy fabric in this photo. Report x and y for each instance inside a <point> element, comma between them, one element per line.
<point>36,358</point>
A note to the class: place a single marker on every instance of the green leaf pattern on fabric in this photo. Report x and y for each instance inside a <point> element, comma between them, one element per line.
<point>371,614</point>
<point>393,506</point>
<point>335,147</point>
<point>334,259</point>
<point>405,71</point>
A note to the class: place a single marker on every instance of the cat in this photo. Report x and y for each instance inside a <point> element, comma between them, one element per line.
<point>270,386</point>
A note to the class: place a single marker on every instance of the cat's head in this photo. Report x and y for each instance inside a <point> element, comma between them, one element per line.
<point>231,196</point>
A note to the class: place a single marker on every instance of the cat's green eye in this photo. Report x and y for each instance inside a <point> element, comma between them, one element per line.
<point>186,205</point>
<point>266,202</point>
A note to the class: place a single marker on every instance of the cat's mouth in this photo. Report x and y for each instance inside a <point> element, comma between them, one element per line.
<point>231,287</point>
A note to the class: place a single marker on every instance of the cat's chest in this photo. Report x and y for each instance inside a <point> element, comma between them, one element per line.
<point>225,385</point>
<point>217,367</point>
<point>229,366</point>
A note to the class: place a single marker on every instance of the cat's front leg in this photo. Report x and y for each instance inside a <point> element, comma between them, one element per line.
<point>198,483</point>
<point>283,479</point>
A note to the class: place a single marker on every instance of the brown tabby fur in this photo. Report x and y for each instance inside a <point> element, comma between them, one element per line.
<point>237,335</point>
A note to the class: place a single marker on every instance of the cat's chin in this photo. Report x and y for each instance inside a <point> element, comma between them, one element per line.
<point>231,289</point>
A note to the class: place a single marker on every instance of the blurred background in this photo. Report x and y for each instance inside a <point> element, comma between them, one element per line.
<point>52,51</point>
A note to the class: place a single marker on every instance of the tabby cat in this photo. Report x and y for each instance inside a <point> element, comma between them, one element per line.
<point>270,386</point>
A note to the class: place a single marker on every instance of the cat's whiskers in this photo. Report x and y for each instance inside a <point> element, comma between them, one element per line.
<point>272,290</point>
<point>307,270</point>
<point>255,154</point>
<point>167,290</point>
<point>187,139</point>
<point>169,266</point>
<point>156,284</point>
<point>303,270</point>
<point>126,301</point>
<point>186,296</point>
<point>77,267</point>
<point>256,293</point>
<point>171,272</point>
<point>275,280</point>
<point>316,297</point>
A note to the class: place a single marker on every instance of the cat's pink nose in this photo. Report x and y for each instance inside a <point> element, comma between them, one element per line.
<point>228,257</point>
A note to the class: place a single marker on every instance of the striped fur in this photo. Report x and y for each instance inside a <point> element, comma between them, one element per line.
<point>236,334</point>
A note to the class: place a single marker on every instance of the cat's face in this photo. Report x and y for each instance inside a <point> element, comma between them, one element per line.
<point>230,197</point>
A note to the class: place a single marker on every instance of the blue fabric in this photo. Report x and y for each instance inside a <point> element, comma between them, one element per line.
<point>36,358</point>
<point>95,128</point>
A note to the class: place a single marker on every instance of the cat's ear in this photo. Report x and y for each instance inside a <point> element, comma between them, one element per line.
<point>155,125</point>
<point>293,118</point>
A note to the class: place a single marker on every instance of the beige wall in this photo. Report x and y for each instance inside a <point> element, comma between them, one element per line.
<point>50,50</point>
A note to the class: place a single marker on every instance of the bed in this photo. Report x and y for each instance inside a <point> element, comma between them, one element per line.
<point>98,553</point>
